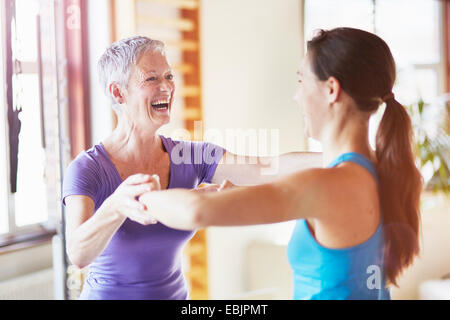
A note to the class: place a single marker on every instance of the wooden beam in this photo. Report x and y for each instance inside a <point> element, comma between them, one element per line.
<point>190,91</point>
<point>180,4</point>
<point>124,18</point>
<point>113,26</point>
<point>172,23</point>
<point>197,246</point>
<point>192,113</point>
<point>78,71</point>
<point>183,45</point>
<point>183,68</point>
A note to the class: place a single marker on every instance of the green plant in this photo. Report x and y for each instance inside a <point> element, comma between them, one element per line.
<point>431,124</point>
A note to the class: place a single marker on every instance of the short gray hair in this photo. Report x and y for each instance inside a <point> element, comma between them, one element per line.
<point>115,64</point>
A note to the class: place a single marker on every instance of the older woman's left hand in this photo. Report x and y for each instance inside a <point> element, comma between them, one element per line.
<point>212,187</point>
<point>206,187</point>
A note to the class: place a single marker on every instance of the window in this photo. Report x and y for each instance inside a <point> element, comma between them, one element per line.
<point>3,145</point>
<point>414,37</point>
<point>25,209</point>
<point>30,199</point>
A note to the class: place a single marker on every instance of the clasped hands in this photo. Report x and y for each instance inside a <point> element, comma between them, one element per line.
<point>125,199</point>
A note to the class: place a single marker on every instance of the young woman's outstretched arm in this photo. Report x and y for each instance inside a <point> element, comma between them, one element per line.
<point>299,195</point>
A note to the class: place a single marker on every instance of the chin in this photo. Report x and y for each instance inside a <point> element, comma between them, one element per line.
<point>162,121</point>
<point>160,118</point>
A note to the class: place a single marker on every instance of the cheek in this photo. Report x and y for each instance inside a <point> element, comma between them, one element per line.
<point>146,93</point>
<point>307,101</point>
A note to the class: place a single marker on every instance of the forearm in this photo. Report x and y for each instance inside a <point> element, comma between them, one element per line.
<point>186,210</point>
<point>90,239</point>
<point>241,206</point>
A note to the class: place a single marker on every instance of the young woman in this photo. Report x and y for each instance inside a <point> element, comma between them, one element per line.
<point>357,218</point>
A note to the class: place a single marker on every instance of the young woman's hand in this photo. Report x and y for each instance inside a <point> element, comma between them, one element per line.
<point>125,201</point>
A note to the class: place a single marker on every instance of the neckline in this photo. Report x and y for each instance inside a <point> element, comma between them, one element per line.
<point>349,155</point>
<point>106,155</point>
<point>357,158</point>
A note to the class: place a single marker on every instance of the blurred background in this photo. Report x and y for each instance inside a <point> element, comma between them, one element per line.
<point>235,65</point>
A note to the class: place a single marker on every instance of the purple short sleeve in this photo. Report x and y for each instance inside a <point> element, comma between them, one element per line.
<point>212,154</point>
<point>195,161</point>
<point>81,178</point>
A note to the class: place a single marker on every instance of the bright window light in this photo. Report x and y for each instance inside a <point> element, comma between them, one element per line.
<point>4,224</point>
<point>30,198</point>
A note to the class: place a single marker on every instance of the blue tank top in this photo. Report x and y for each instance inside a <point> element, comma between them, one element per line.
<point>322,273</point>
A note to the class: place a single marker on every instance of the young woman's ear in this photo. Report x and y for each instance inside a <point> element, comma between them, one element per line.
<point>116,93</point>
<point>333,89</point>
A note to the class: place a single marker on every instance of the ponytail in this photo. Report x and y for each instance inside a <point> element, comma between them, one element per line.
<point>400,187</point>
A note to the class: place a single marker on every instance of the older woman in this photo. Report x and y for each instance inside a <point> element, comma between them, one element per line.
<point>130,256</point>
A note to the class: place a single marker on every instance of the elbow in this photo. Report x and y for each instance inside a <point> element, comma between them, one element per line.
<point>76,260</point>
<point>75,257</point>
<point>79,264</point>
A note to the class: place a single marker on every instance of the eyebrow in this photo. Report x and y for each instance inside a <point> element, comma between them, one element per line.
<point>154,71</point>
<point>148,71</point>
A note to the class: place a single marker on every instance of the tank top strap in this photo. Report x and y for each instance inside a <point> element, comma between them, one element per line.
<point>356,158</point>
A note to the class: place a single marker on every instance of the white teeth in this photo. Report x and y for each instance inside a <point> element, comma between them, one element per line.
<point>160,102</point>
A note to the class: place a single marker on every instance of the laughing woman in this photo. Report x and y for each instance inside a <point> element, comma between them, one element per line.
<point>130,256</point>
<point>358,218</point>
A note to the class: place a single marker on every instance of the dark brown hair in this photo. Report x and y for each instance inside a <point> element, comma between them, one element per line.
<point>365,69</point>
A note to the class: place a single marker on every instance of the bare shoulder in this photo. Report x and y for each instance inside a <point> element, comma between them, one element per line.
<point>350,210</point>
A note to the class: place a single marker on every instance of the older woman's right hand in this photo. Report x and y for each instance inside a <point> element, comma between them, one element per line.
<point>124,200</point>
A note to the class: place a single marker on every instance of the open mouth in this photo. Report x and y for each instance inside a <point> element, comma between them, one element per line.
<point>161,105</point>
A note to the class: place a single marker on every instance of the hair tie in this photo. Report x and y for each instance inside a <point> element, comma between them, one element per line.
<point>388,97</point>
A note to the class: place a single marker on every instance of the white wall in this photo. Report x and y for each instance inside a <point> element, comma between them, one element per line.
<point>99,32</point>
<point>250,55</point>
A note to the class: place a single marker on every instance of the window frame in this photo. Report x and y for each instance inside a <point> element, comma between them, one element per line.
<point>32,233</point>
<point>440,67</point>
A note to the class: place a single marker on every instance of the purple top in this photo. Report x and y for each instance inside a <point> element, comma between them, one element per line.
<point>140,262</point>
